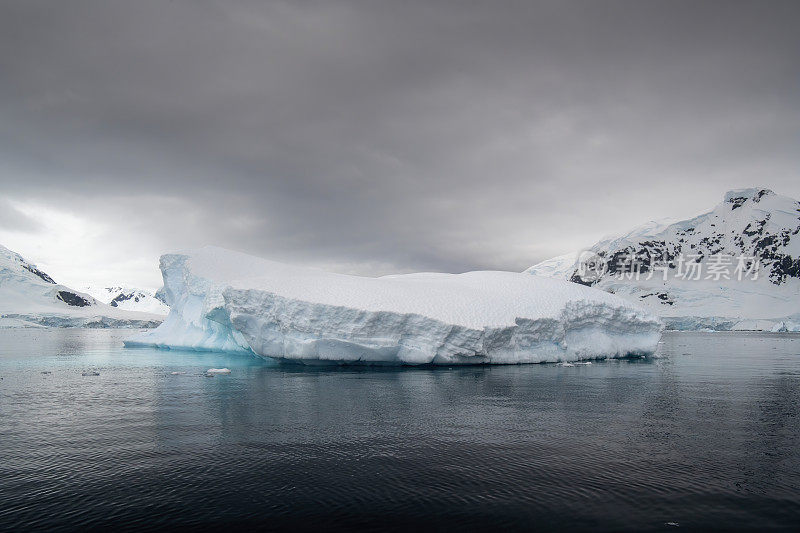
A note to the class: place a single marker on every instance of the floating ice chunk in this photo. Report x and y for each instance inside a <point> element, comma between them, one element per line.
<point>218,371</point>
<point>565,364</point>
<point>177,373</point>
<point>786,327</point>
<point>584,363</point>
<point>222,300</point>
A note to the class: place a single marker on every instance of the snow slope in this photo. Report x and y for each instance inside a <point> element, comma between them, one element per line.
<point>223,300</point>
<point>31,298</point>
<point>748,223</point>
<point>129,299</point>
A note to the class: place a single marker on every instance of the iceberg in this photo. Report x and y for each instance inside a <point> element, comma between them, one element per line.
<point>786,327</point>
<point>228,301</point>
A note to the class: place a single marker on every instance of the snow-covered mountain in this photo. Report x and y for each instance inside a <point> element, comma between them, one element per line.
<point>29,297</point>
<point>129,299</point>
<point>735,267</point>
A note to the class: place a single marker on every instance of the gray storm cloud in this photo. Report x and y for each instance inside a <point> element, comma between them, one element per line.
<point>379,136</point>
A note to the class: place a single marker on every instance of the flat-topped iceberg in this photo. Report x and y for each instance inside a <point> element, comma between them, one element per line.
<point>223,300</point>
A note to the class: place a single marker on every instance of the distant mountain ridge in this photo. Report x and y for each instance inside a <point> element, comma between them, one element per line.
<point>29,297</point>
<point>130,298</point>
<point>751,231</point>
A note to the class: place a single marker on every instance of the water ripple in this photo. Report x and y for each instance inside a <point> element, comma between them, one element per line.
<point>710,439</point>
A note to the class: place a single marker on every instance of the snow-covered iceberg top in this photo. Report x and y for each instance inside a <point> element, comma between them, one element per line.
<point>223,300</point>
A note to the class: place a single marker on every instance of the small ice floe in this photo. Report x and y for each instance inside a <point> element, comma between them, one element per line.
<point>565,364</point>
<point>177,373</point>
<point>672,524</point>
<point>218,371</point>
<point>584,363</point>
<point>90,373</point>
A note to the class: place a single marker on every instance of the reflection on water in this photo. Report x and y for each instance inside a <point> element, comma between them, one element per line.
<point>707,435</point>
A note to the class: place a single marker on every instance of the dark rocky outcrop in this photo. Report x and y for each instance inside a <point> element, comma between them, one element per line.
<point>37,272</point>
<point>70,298</point>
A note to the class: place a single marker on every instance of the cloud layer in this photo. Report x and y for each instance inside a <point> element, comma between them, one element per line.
<point>380,136</point>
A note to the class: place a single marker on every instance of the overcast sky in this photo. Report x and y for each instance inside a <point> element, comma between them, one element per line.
<point>376,137</point>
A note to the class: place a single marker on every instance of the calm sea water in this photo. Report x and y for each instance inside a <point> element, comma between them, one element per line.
<point>705,437</point>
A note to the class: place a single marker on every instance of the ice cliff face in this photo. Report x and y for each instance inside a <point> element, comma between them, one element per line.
<point>222,300</point>
<point>29,298</point>
<point>749,223</point>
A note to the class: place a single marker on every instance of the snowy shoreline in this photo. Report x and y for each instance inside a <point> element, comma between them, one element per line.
<point>13,320</point>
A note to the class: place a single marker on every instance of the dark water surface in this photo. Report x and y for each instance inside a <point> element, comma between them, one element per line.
<point>705,437</point>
